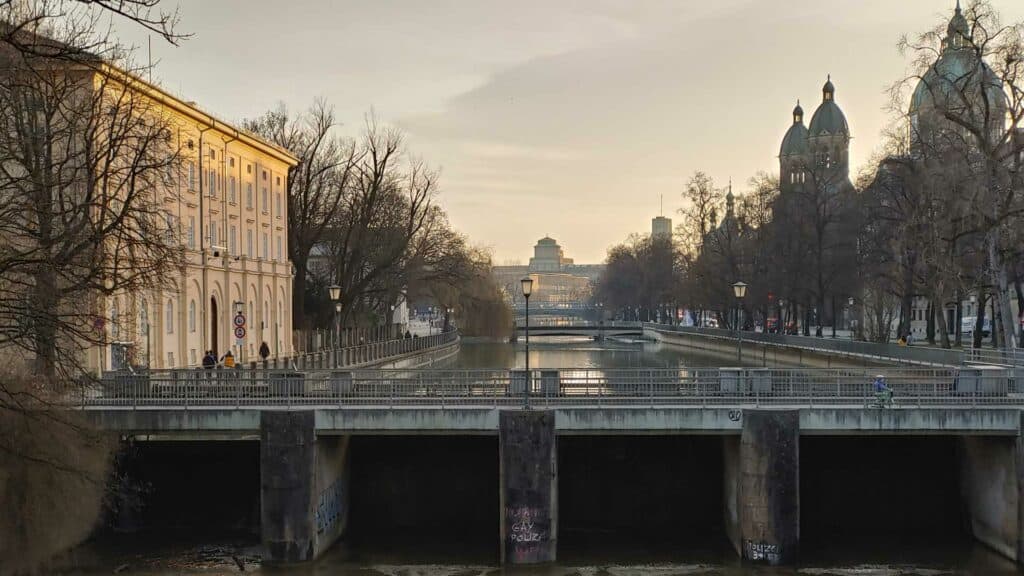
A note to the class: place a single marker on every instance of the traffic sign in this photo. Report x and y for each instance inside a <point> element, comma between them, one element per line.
<point>240,332</point>
<point>239,320</point>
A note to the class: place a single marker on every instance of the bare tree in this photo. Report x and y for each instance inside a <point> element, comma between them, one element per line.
<point>971,90</point>
<point>316,186</point>
<point>87,161</point>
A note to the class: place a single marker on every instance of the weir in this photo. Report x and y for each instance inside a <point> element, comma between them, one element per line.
<point>775,484</point>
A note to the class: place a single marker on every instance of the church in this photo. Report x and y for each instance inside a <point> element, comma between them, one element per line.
<point>818,155</point>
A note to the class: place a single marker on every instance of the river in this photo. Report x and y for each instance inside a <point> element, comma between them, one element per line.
<point>431,552</point>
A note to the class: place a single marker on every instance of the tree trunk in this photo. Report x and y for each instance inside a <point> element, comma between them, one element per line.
<point>959,319</point>
<point>1004,314</point>
<point>979,321</point>
<point>930,317</point>
<point>299,296</point>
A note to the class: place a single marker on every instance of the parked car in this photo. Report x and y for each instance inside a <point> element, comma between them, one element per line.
<point>967,324</point>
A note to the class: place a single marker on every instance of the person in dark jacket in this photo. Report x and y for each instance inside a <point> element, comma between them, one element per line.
<point>209,360</point>
<point>264,351</point>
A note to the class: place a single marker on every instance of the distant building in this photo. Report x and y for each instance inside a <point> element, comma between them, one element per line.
<point>661,227</point>
<point>548,256</point>
<point>557,279</point>
<point>818,155</point>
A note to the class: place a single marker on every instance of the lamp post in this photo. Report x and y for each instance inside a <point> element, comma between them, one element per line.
<point>335,293</point>
<point>739,289</point>
<point>527,285</point>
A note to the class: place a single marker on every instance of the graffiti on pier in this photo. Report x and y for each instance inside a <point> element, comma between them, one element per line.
<point>329,507</point>
<point>735,415</point>
<point>528,531</point>
<point>761,551</point>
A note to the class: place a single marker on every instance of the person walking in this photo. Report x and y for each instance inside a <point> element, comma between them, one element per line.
<point>264,351</point>
<point>228,360</point>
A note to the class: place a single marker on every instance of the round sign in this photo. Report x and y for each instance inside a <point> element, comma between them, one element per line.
<point>239,319</point>
<point>240,332</point>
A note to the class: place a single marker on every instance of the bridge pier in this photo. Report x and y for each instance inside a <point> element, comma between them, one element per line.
<point>303,487</point>
<point>762,487</point>
<point>529,493</point>
<point>992,480</point>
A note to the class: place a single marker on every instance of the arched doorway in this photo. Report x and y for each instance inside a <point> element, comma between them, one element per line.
<point>213,326</point>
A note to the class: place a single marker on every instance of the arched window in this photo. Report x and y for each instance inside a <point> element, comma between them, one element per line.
<point>169,320</point>
<point>115,330</point>
<point>143,318</point>
<point>192,316</point>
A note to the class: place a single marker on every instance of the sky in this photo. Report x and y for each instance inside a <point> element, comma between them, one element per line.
<point>567,118</point>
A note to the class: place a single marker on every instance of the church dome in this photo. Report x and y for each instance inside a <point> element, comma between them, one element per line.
<point>795,140</point>
<point>956,72</point>
<point>828,119</point>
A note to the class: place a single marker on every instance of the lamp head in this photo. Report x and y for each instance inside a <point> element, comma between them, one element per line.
<point>335,291</point>
<point>527,284</point>
<point>739,289</point>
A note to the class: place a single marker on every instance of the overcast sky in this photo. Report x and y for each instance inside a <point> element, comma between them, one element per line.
<point>565,118</point>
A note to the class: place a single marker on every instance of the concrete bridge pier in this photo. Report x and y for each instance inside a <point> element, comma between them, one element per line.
<point>992,480</point>
<point>762,487</point>
<point>529,494</point>
<point>304,487</point>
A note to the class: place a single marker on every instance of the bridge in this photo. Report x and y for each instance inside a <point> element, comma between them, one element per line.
<point>304,422</point>
<point>578,309</point>
<point>598,330</point>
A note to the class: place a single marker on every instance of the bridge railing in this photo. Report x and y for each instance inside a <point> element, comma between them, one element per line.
<point>965,386</point>
<point>919,355</point>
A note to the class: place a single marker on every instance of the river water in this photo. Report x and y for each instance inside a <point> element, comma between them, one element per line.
<point>162,552</point>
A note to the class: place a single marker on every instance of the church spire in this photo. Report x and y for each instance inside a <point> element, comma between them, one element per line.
<point>730,201</point>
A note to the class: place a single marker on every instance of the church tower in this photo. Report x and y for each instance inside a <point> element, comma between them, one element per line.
<point>793,153</point>
<point>828,142</point>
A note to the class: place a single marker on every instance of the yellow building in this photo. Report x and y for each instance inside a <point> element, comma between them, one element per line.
<point>227,206</point>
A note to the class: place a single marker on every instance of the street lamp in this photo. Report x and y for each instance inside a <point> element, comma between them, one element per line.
<point>335,292</point>
<point>527,284</point>
<point>740,290</point>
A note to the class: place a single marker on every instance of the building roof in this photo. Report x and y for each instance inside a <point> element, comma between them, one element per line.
<point>795,140</point>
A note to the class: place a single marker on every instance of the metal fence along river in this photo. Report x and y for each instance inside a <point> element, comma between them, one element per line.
<point>246,388</point>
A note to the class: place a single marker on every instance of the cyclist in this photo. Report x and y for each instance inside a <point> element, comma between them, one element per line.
<point>883,393</point>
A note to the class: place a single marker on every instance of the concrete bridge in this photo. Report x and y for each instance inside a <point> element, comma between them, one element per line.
<point>598,330</point>
<point>305,423</point>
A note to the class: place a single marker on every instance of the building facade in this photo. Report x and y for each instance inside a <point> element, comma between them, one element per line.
<point>227,207</point>
<point>818,155</point>
<point>557,279</point>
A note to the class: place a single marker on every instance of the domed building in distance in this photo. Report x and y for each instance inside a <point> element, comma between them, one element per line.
<point>817,156</point>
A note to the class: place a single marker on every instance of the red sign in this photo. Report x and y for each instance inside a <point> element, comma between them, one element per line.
<point>239,319</point>
<point>240,332</point>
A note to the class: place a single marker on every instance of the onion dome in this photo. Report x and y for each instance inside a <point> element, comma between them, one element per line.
<point>795,140</point>
<point>828,119</point>
<point>957,72</point>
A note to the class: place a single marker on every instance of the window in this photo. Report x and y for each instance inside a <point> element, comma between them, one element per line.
<point>248,243</point>
<point>170,359</point>
<point>191,231</point>
<point>266,203</point>
<point>213,183</point>
<point>144,318</point>
<point>115,330</point>
<point>248,168</point>
<point>231,190</point>
<point>266,247</point>
<point>248,196</point>
<point>169,316</point>
<point>279,249</point>
<point>192,316</point>
<point>278,180</point>
<point>231,162</point>
<point>213,233</point>
<point>231,240</point>
<point>191,175</point>
<point>170,232</point>
<point>213,154</point>
<point>277,208</point>
<point>264,175</point>
<point>192,356</point>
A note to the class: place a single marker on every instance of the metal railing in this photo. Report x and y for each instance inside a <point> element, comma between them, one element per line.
<point>918,355</point>
<point>350,356</point>
<point>912,387</point>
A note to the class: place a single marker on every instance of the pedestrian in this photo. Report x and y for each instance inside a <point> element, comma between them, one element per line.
<point>264,350</point>
<point>209,360</point>
<point>228,359</point>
